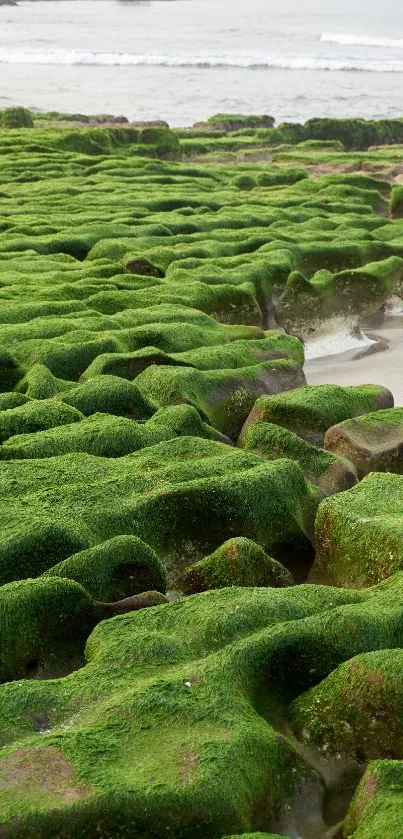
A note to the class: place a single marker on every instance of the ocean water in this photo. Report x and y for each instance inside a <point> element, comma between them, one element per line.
<point>183,60</point>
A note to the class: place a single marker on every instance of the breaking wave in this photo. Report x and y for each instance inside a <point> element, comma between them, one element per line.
<point>361,41</point>
<point>77,57</point>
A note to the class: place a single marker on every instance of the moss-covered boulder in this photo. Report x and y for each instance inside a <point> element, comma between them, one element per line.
<point>44,624</point>
<point>377,807</point>
<point>110,395</point>
<point>223,397</point>
<point>40,383</point>
<point>357,710</point>
<point>330,473</point>
<point>108,435</point>
<point>320,303</point>
<point>231,355</point>
<point>116,569</point>
<point>238,562</point>
<point>372,442</point>
<point>205,673</point>
<point>16,118</point>
<point>36,415</point>
<point>10,399</point>
<point>359,533</point>
<point>310,411</point>
<point>184,498</point>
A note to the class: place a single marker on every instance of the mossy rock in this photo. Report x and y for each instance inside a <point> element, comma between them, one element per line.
<point>223,397</point>
<point>202,670</point>
<point>317,305</point>
<point>377,806</point>
<point>356,711</point>
<point>116,569</point>
<point>372,442</point>
<point>238,562</point>
<point>330,473</point>
<point>11,400</point>
<point>359,533</point>
<point>16,118</point>
<point>183,497</point>
<point>110,395</point>
<point>45,623</point>
<point>40,383</point>
<point>246,182</point>
<point>310,411</point>
<point>214,356</point>
<point>10,371</point>
<point>36,415</point>
<point>107,435</point>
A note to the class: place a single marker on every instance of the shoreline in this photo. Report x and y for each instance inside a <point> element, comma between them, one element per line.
<point>381,361</point>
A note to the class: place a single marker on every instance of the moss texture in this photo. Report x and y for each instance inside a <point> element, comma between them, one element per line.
<point>359,533</point>
<point>195,672</point>
<point>183,497</point>
<point>310,411</point>
<point>372,442</point>
<point>144,275</point>
<point>238,562</point>
<point>107,435</point>
<point>116,569</point>
<point>330,473</point>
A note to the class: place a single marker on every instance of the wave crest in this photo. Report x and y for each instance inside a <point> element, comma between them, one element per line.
<point>361,41</point>
<point>76,57</point>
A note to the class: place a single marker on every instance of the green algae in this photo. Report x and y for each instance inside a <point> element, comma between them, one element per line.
<point>330,474</point>
<point>116,569</point>
<point>358,533</point>
<point>184,497</point>
<point>238,562</point>
<point>166,668</point>
<point>310,411</point>
<point>107,435</point>
<point>138,302</point>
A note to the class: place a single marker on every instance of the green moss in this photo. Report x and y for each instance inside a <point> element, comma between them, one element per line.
<point>359,534</point>
<point>12,400</point>
<point>105,435</point>
<point>377,804</point>
<point>39,383</point>
<point>116,569</point>
<point>372,442</point>
<point>16,118</point>
<point>109,394</point>
<point>223,397</point>
<point>183,497</point>
<point>330,473</point>
<point>310,411</point>
<point>36,415</point>
<point>194,670</point>
<point>396,202</point>
<point>245,182</point>
<point>238,562</point>
<point>357,710</point>
<point>43,623</point>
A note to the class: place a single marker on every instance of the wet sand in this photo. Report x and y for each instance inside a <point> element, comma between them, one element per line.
<point>381,363</point>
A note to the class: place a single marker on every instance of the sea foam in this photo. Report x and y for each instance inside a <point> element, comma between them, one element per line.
<point>77,57</point>
<point>360,40</point>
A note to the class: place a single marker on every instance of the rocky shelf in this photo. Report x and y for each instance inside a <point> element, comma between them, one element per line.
<point>201,556</point>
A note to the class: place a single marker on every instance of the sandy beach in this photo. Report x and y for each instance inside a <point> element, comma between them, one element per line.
<point>380,363</point>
